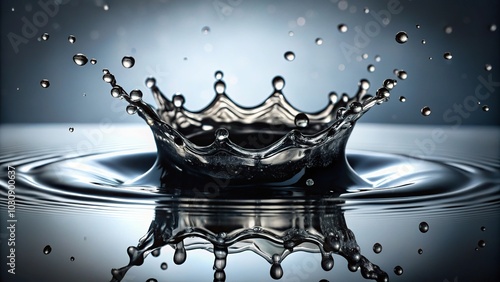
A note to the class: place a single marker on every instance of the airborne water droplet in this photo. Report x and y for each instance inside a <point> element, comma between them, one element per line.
<point>93,61</point>
<point>80,59</point>
<point>488,67</point>
<point>45,36</point>
<point>128,62</point>
<point>447,56</point>
<point>150,82</point>
<point>220,87</point>
<point>309,182</point>
<point>481,243</point>
<point>72,258</point>
<point>164,266</point>
<point>377,248</point>
<point>205,30</point>
<point>493,27</point>
<point>135,95</point>
<point>319,41</point>
<point>45,83</point>
<point>289,56</point>
<point>47,249</point>
<point>219,75</point>
<point>448,29</point>
<point>402,99</point>
<point>398,270</point>
<point>377,58</point>
<point>71,129</point>
<point>389,83</point>
<point>401,37</point>
<point>420,251</point>
<point>301,120</point>
<point>483,228</point>
<point>342,28</point>
<point>71,39</point>
<point>423,226</point>
<point>371,68</point>
<point>131,109</point>
<point>426,111</point>
<point>417,26</point>
<point>486,108</point>
<point>424,42</point>
<point>402,74</point>
<point>278,83</point>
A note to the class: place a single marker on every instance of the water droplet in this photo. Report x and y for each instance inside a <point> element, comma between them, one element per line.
<point>105,7</point>
<point>363,84</point>
<point>131,109</point>
<point>389,83</point>
<point>72,258</point>
<point>481,243</point>
<point>108,77</point>
<point>483,228</point>
<point>424,42</point>
<point>366,10</point>
<point>423,226</point>
<point>371,68</point>
<point>426,111</point>
<point>93,61</point>
<point>447,56</point>
<point>180,254</point>
<point>319,41</point>
<point>417,26</point>
<point>178,100</point>
<point>488,67</point>
<point>327,263</point>
<point>278,83</point>
<point>45,36</point>
<point>116,91</point>
<point>301,120</point>
<point>71,39</point>
<point>398,270</point>
<point>45,83</point>
<point>342,28</point>
<point>402,74</point>
<point>364,56</point>
<point>220,87</point>
<point>164,266</point>
<point>486,108</point>
<point>150,82</point>
<point>448,29</point>
<point>401,37</point>
<point>356,107</point>
<point>383,93</point>
<point>420,251</point>
<point>80,59</point>
<point>128,62</point>
<point>377,58</point>
<point>71,129</point>
<point>291,33</point>
<point>493,27</point>
<point>219,75</point>
<point>221,134</point>
<point>309,182</point>
<point>276,271</point>
<point>402,99</point>
<point>289,56</point>
<point>377,248</point>
<point>205,30</point>
<point>47,249</point>
<point>135,95</point>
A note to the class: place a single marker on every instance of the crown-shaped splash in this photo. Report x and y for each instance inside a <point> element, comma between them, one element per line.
<point>270,143</point>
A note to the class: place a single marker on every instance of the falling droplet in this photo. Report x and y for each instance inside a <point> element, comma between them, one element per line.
<point>383,93</point>
<point>108,77</point>
<point>72,258</point>
<point>402,99</point>
<point>301,120</point>
<point>150,82</point>
<point>327,263</point>
<point>364,56</point>
<point>426,111</point>
<point>488,67</point>
<point>389,83</point>
<point>447,56</point>
<point>371,68</point>
<point>180,253</point>
<point>289,56</point>
<point>420,251</point>
<point>377,248</point>
<point>71,39</point>
<point>45,83</point>
<point>45,36</point>
<point>417,26</point>
<point>128,62</point>
<point>481,243</point>
<point>47,249</point>
<point>71,129</point>
<point>309,182</point>
<point>448,29</point>
<point>401,37</point>
<point>342,28</point>
<point>291,33</point>
<point>424,42</point>
<point>131,109</point>
<point>221,134</point>
<point>402,74</point>
<point>366,10</point>
<point>205,30</point>
<point>116,92</point>
<point>278,83</point>
<point>493,27</point>
<point>219,75</point>
<point>105,7</point>
<point>156,252</point>
<point>93,61</point>
<point>486,108</point>
<point>483,228</point>
<point>178,100</point>
<point>135,95</point>
<point>319,41</point>
<point>80,59</point>
<point>423,227</point>
<point>164,266</point>
<point>377,58</point>
<point>398,270</point>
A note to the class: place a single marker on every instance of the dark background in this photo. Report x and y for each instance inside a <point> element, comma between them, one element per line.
<point>247,40</point>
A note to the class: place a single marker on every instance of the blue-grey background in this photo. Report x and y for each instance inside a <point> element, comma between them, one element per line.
<point>247,40</point>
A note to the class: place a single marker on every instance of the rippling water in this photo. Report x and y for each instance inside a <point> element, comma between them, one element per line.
<point>75,192</point>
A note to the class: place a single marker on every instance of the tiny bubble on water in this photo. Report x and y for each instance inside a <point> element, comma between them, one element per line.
<point>205,30</point>
<point>486,108</point>
<point>402,99</point>
<point>45,36</point>
<point>45,83</point>
<point>401,37</point>
<point>371,68</point>
<point>426,111</point>
<point>483,228</point>
<point>423,226</point>
<point>420,251</point>
<point>71,129</point>
<point>342,28</point>
<point>319,41</point>
<point>71,39</point>
<point>128,62</point>
<point>164,266</point>
<point>493,27</point>
<point>488,67</point>
<point>447,56</point>
<point>289,56</point>
<point>72,258</point>
<point>301,120</point>
<point>377,248</point>
<point>448,29</point>
<point>80,59</point>
<point>47,249</point>
<point>398,270</point>
<point>93,61</point>
<point>309,182</point>
<point>481,243</point>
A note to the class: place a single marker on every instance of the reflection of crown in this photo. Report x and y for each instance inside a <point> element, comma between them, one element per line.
<point>270,142</point>
<point>316,226</point>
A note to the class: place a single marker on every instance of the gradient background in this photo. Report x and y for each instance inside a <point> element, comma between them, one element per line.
<point>247,40</point>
